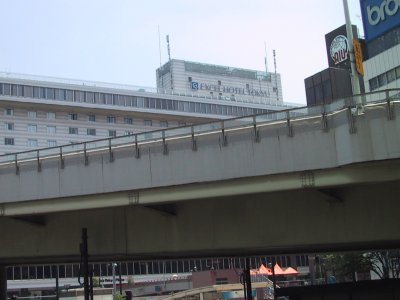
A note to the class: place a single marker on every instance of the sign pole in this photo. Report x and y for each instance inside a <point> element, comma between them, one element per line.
<point>355,83</point>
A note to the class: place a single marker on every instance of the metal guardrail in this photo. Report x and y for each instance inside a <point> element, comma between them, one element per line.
<point>220,127</point>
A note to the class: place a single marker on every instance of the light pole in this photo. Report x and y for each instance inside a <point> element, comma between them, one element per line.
<point>272,267</point>
<point>113,279</point>
<point>355,83</point>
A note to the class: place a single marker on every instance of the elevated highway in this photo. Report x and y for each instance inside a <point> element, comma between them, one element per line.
<point>308,179</point>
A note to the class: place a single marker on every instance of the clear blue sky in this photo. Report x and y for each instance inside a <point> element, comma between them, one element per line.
<point>117,41</point>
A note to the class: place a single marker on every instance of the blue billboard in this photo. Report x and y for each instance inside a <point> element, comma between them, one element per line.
<point>379,16</point>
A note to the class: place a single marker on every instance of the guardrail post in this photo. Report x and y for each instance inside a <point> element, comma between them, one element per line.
<point>389,108</point>
<point>85,154</point>
<point>350,120</point>
<point>256,131</point>
<point>223,135</point>
<point>194,142</point>
<point>110,151</point>
<point>39,164</point>
<point>324,120</point>
<point>61,159</point>
<point>289,125</point>
<point>16,165</point>
<point>137,150</point>
<point>165,145</point>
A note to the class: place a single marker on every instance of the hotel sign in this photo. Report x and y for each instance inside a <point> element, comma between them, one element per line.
<point>229,89</point>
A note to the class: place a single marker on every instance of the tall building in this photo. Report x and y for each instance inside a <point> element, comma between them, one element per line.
<point>39,112</point>
<point>219,82</point>
<point>381,22</point>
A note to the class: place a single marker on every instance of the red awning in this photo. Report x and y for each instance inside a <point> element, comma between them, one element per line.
<point>278,270</point>
<point>290,271</point>
<point>264,270</point>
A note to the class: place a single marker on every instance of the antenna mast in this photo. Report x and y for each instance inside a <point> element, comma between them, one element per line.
<point>265,59</point>
<point>276,78</point>
<point>169,59</point>
<point>159,50</point>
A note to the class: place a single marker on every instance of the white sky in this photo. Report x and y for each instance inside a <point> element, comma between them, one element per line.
<point>117,41</point>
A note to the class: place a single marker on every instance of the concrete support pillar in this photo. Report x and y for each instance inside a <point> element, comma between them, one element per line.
<point>3,282</point>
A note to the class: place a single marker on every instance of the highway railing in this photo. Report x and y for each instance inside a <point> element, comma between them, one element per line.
<point>287,117</point>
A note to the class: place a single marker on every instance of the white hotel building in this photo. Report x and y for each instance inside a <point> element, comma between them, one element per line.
<point>220,82</point>
<point>41,112</point>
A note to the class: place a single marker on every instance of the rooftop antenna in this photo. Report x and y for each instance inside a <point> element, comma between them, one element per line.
<point>265,58</point>
<point>159,50</point>
<point>276,79</point>
<point>169,59</point>
<point>169,51</point>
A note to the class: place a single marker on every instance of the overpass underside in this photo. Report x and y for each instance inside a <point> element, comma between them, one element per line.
<point>298,189</point>
<point>359,216</point>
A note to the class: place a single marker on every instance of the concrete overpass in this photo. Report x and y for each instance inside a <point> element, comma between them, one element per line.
<point>308,179</point>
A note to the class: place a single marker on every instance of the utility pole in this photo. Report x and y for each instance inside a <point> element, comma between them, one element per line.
<point>355,83</point>
<point>85,263</point>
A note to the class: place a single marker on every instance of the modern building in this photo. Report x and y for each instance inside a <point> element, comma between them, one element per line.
<point>380,54</point>
<point>219,82</point>
<point>381,22</point>
<point>40,112</point>
<point>334,82</point>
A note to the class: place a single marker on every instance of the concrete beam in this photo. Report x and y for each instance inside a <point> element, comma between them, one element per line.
<point>264,223</point>
<point>363,173</point>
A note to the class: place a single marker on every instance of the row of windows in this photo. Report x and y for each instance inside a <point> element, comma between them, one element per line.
<point>91,118</point>
<point>147,267</point>
<point>384,79</point>
<point>124,100</point>
<point>33,143</point>
<point>32,128</point>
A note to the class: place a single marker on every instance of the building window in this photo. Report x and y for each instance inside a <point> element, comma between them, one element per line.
<point>391,75</point>
<point>128,120</point>
<point>32,128</point>
<point>219,82</point>
<point>91,131</point>
<point>9,112</point>
<point>111,119</point>
<point>32,115</point>
<point>112,133</point>
<point>73,130</point>
<point>373,83</point>
<point>148,123</point>
<point>398,72</point>
<point>51,129</point>
<point>51,143</point>
<point>9,126</point>
<point>8,141</point>
<point>32,143</point>
<point>92,118</point>
<point>51,115</point>
<point>163,123</point>
<point>73,116</point>
<point>382,79</point>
